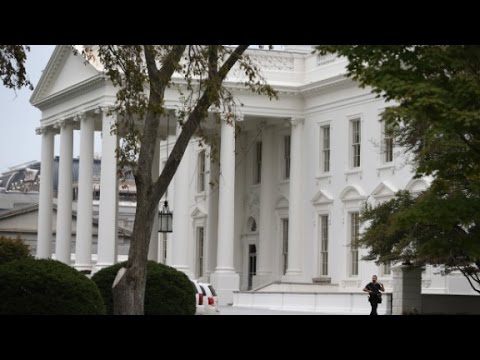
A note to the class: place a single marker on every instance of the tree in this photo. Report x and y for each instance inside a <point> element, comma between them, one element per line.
<point>436,118</point>
<point>142,74</point>
<point>12,66</point>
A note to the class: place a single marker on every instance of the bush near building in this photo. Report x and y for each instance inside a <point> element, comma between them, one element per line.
<point>46,287</point>
<point>12,249</point>
<point>168,291</point>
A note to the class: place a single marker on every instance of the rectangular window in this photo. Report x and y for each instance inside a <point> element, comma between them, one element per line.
<point>387,269</point>
<point>285,245</point>
<point>324,245</point>
<point>286,143</point>
<point>325,148</point>
<point>163,259</point>
<point>201,172</point>
<point>355,142</point>
<point>258,164</point>
<point>200,243</point>
<point>387,144</point>
<point>354,232</point>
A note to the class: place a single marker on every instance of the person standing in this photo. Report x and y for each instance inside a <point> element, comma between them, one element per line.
<point>374,295</point>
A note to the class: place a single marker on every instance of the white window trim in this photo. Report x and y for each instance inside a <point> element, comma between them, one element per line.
<point>352,118</point>
<point>320,173</point>
<point>199,220</point>
<point>322,204</point>
<point>281,213</point>
<point>281,154</point>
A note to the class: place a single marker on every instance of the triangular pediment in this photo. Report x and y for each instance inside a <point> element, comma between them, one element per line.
<point>63,71</point>
<point>384,189</point>
<point>198,212</point>
<point>322,197</point>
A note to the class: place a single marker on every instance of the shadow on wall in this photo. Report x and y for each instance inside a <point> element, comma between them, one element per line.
<point>444,304</point>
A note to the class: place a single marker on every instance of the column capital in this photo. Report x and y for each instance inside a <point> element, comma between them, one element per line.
<point>60,123</point>
<point>296,121</point>
<point>79,117</point>
<point>40,130</point>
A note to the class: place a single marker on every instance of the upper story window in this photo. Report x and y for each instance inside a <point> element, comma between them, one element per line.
<point>355,140</point>
<point>258,164</point>
<point>201,172</point>
<point>286,148</point>
<point>387,143</point>
<point>325,146</point>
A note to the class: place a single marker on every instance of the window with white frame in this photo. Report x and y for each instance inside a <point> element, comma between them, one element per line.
<point>163,257</point>
<point>285,245</point>
<point>355,140</point>
<point>201,172</point>
<point>286,150</point>
<point>325,155</point>
<point>200,244</point>
<point>354,232</point>
<point>387,143</point>
<point>257,177</point>
<point>387,269</point>
<point>324,245</point>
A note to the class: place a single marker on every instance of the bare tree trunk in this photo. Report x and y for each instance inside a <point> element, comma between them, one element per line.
<point>129,291</point>
<point>129,287</point>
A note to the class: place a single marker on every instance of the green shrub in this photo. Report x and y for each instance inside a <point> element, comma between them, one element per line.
<point>47,287</point>
<point>168,291</point>
<point>13,249</point>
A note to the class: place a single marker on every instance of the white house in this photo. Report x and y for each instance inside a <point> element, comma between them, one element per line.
<point>283,215</point>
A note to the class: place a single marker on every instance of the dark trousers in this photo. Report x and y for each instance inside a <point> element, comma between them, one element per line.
<point>374,307</point>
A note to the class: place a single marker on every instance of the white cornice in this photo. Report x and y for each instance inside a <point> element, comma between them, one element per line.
<point>72,91</point>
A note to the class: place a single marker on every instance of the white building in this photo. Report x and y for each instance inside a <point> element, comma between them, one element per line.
<point>292,184</point>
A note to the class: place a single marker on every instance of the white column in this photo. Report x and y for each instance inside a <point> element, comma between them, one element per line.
<point>65,194</point>
<point>83,251</point>
<point>108,210</point>
<point>267,206</point>
<point>295,230</point>
<point>181,217</point>
<point>225,279</point>
<point>153,246</point>
<point>212,220</point>
<point>45,206</point>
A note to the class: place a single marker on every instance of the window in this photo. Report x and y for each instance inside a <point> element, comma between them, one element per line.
<point>387,269</point>
<point>285,245</point>
<point>200,242</point>
<point>324,245</point>
<point>355,142</point>
<point>258,164</point>
<point>201,172</point>
<point>163,258</point>
<point>354,232</point>
<point>325,141</point>
<point>387,144</point>
<point>286,145</point>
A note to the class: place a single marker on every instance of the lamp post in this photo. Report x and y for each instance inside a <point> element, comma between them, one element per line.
<point>165,219</point>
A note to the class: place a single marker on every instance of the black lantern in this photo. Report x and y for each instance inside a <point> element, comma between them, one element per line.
<point>165,223</point>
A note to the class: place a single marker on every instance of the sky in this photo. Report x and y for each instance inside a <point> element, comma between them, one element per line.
<point>18,118</point>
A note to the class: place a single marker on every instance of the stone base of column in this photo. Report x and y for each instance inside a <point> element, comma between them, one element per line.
<point>225,283</point>
<point>293,276</point>
<point>407,290</point>
<point>261,280</point>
